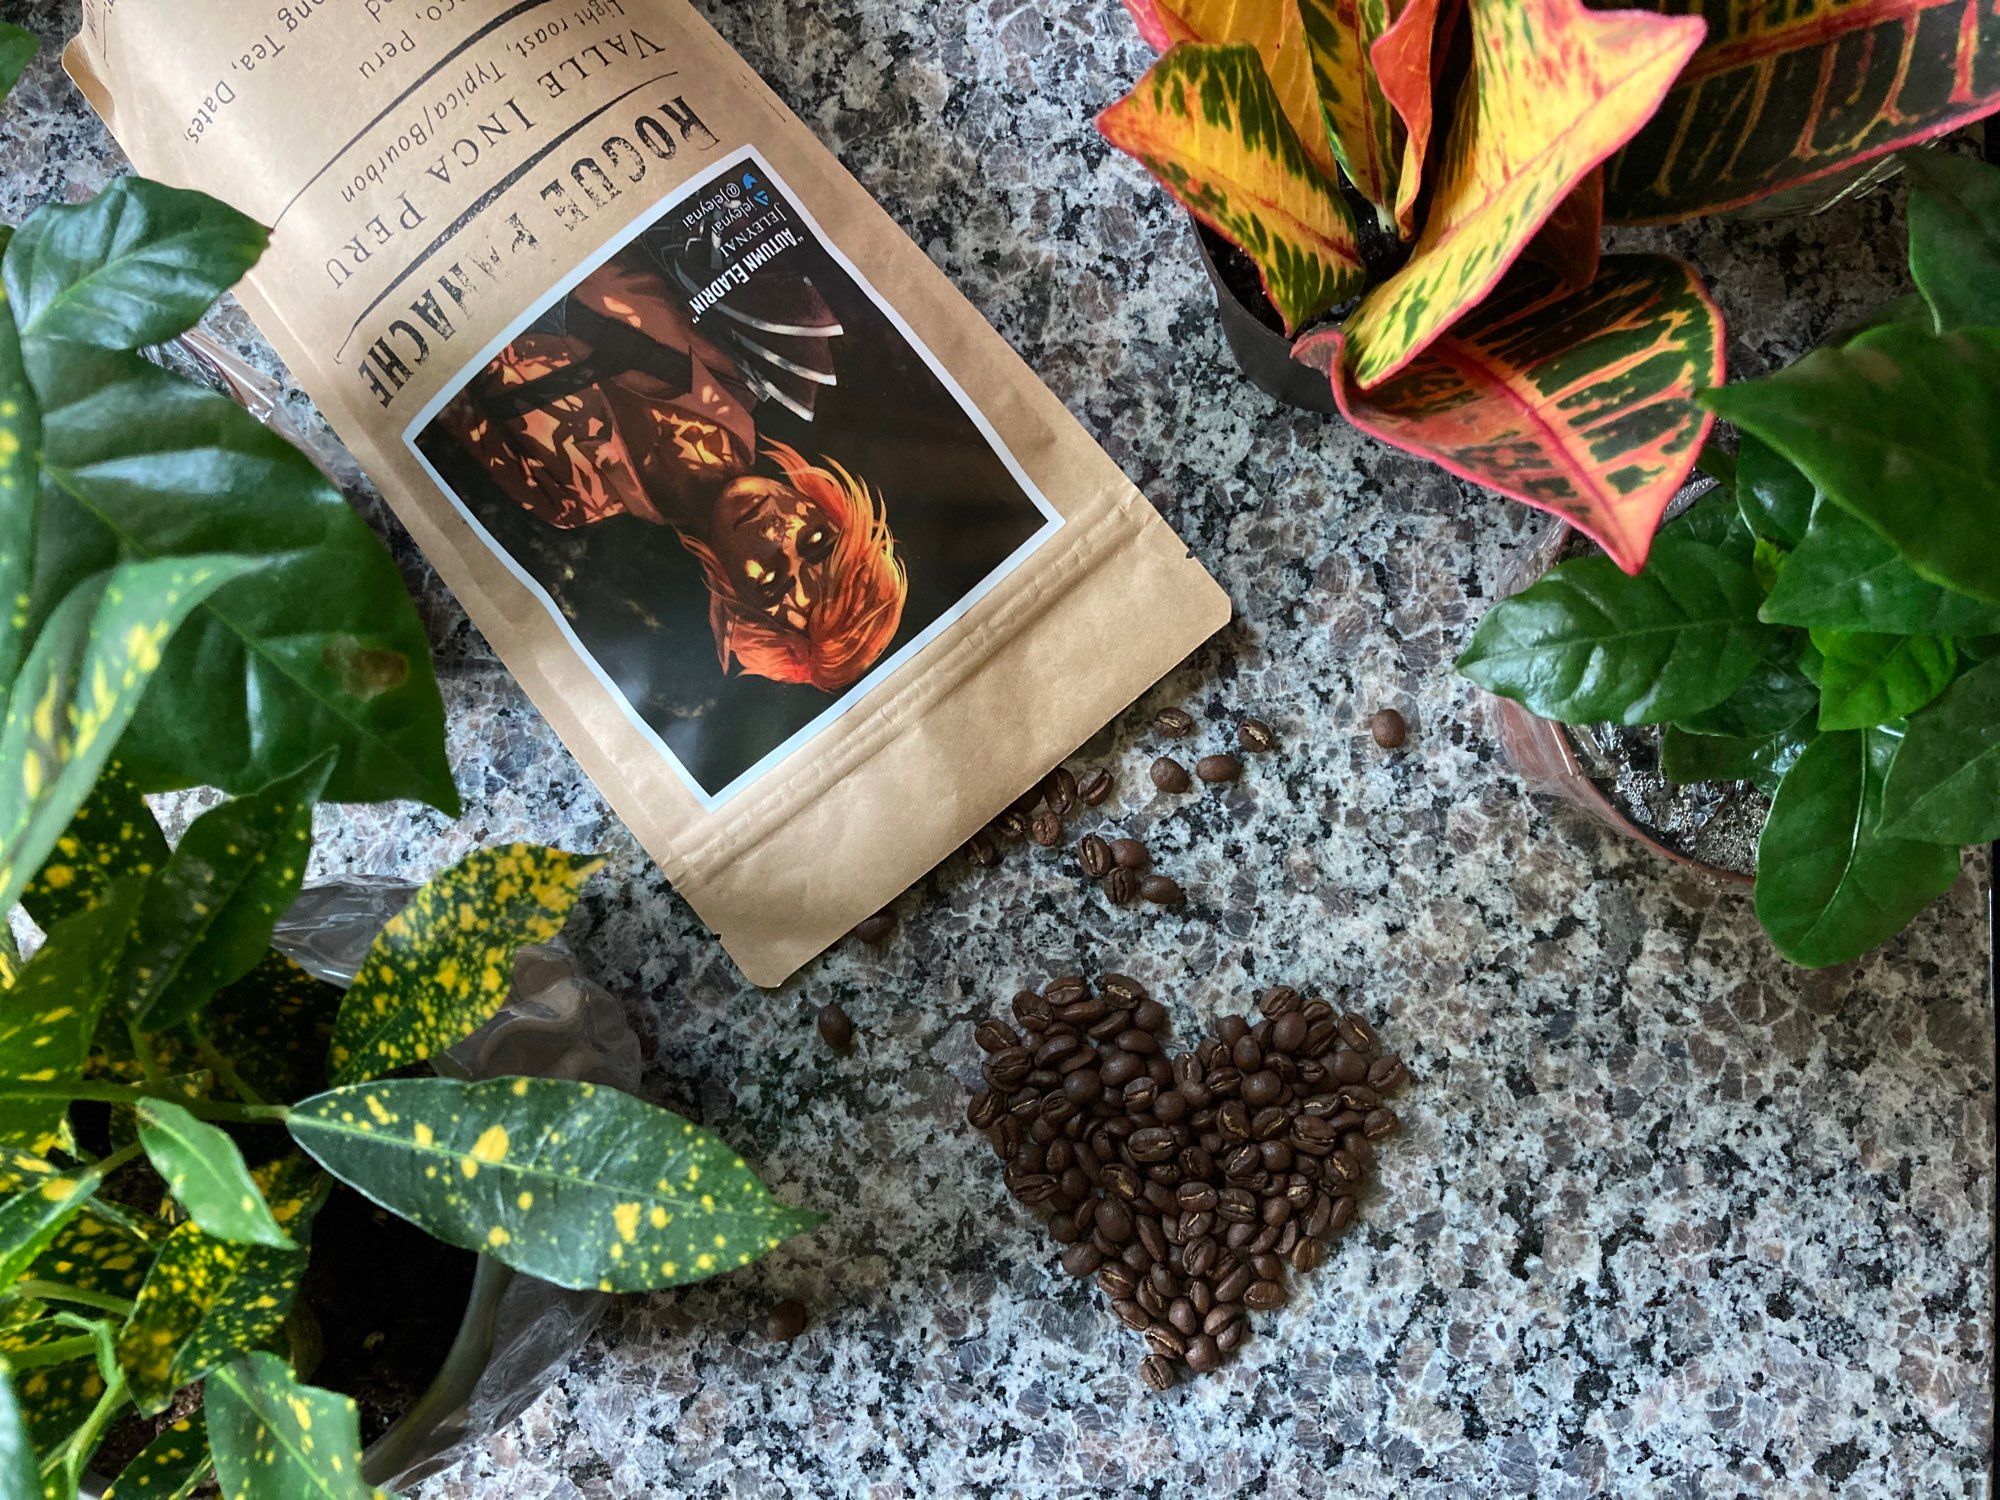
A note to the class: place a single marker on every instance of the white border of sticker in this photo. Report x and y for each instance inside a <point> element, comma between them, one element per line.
<point>853,696</point>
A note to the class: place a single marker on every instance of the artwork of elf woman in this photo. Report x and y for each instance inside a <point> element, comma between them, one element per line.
<point>614,403</point>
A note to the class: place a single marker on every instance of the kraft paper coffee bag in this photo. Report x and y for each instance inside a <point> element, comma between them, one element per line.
<point>805,566</point>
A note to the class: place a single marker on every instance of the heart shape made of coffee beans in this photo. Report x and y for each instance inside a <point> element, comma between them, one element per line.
<point>1190,1186</point>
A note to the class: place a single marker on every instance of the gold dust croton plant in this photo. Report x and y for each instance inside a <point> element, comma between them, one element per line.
<point>1449,163</point>
<point>191,603</point>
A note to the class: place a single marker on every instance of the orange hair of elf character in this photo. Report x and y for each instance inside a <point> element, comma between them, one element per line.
<point>860,606</point>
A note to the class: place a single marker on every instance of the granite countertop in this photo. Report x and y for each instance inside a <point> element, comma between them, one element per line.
<point>1668,1218</point>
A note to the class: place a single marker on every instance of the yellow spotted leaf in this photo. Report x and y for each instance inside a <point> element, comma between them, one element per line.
<point>274,1026</point>
<point>1581,403</point>
<point>1554,88</point>
<point>1366,135</point>
<point>55,1398</point>
<point>112,836</point>
<point>20,450</point>
<point>207,1175</point>
<point>275,1438</point>
<point>577,1184</point>
<point>77,690</point>
<point>204,1302</point>
<point>443,965</point>
<point>51,1013</point>
<point>170,1468</point>
<point>18,1477</point>
<point>96,1255</point>
<point>31,1218</point>
<point>1206,122</point>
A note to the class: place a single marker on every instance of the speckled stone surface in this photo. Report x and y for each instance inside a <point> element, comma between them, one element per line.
<point>1669,1217</point>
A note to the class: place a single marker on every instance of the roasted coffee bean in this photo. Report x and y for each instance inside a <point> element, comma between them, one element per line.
<point>875,930</point>
<point>836,1027</point>
<point>1185,1320</point>
<point>1224,1081</point>
<point>1121,887</point>
<point>1174,723</point>
<point>1117,1280</point>
<point>1305,1255</point>
<point>1062,1229</point>
<point>1380,1124</point>
<point>1165,1280</point>
<point>1067,990</point>
<point>1027,1003</point>
<point>1247,1054</point>
<point>1113,1220</point>
<point>1123,1181</point>
<point>994,1035</point>
<point>1047,829</point>
<point>1387,1075</point>
<point>1082,1259</point>
<point>1162,890</point>
<point>1262,1088</point>
<point>1130,1313</point>
<point>1358,1034</point>
<point>1169,775</point>
<point>1231,1338</point>
<point>1053,1048</point>
<point>1203,1355</point>
<point>1237,1237</point>
<point>1158,1374</point>
<point>1130,854</point>
<point>1255,736</point>
<point>1268,1267</point>
<point>1265,1296</point>
<point>1274,1211</point>
<point>1094,855</point>
<point>1011,824</point>
<point>1232,1120</point>
<point>1313,1135</point>
<point>1222,767</point>
<point>1316,1221</point>
<point>787,1320</point>
<point>1038,1187</point>
<point>1120,1068</point>
<point>1231,1029</point>
<point>1198,1255</point>
<point>1288,1032</point>
<point>1276,1155</point>
<point>1060,1157</point>
<point>1268,1123</point>
<point>1166,1340</point>
<point>1342,1215</point>
<point>1362,1150</point>
<point>1265,1240</point>
<point>1388,728</point>
<point>1349,1067</point>
<point>1240,1162</point>
<point>1146,1297</point>
<point>985,1108</point>
<point>1153,1238</point>
<point>1236,1205</point>
<point>1059,791</point>
<point>1093,787</point>
<point>1195,1197</point>
<point>982,850</point>
<point>1359,1096</point>
<point>1058,1107</point>
<point>1194,1225</point>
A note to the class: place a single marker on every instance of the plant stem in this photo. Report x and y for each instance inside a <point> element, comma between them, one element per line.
<point>225,1070</point>
<point>112,1093</point>
<point>74,1454</point>
<point>148,1064</point>
<point>55,1291</point>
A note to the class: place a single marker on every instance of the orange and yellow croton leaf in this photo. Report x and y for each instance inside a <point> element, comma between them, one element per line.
<point>1206,122</point>
<point>1405,60</point>
<point>1358,120</point>
<point>1274,28</point>
<point>1571,241</point>
<point>1580,403</point>
<point>1782,94</point>
<point>1554,88</point>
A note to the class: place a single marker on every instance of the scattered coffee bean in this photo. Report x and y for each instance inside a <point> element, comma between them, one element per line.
<point>1389,728</point>
<point>875,930</point>
<point>1121,887</point>
<point>1174,723</point>
<point>1169,775</point>
<point>1162,890</point>
<point>1060,791</point>
<point>1011,824</point>
<point>1158,1372</point>
<point>1047,829</point>
<point>787,1320</point>
<point>1255,736</point>
<point>1218,768</point>
<point>983,850</point>
<point>1130,854</point>
<point>1093,788</point>
<point>836,1027</point>
<point>1094,854</point>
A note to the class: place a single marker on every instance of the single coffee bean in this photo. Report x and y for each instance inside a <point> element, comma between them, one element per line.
<point>1220,1316</point>
<point>1131,1313</point>
<point>875,930</point>
<point>1146,1297</point>
<point>1203,1355</point>
<point>1114,1220</point>
<point>1186,1321</point>
<point>1094,855</point>
<point>1047,829</point>
<point>1288,1032</point>
<point>1123,1181</point>
<point>1240,1162</point>
<point>1157,1373</point>
<point>1388,728</point>
<point>1342,1215</point>
<point>1116,1280</point>
<point>1268,1267</point>
<point>1093,787</point>
<point>787,1320</point>
<point>1305,1255</point>
<point>1387,1075</point>
<point>1059,791</point>
<point>1011,824</point>
<point>1231,1338</point>
<point>1130,854</point>
<point>1223,767</point>
<point>983,850</point>
<point>1121,887</point>
<point>1267,1124</point>
<point>1174,723</point>
<point>1162,890</point>
<point>1083,1086</point>
<point>1265,1296</point>
<point>1198,1255</point>
<point>1380,1124</point>
<point>993,1034</point>
<point>1255,736</point>
<point>1262,1088</point>
<point>836,1027</point>
<point>1236,1205</point>
<point>1082,1259</point>
<point>1169,775</point>
<point>1152,1238</point>
<point>1349,1066</point>
<point>1166,1341</point>
<point>1358,1034</point>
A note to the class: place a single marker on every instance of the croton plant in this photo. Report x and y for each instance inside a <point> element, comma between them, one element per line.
<point>191,603</point>
<point>1828,624</point>
<point>1441,169</point>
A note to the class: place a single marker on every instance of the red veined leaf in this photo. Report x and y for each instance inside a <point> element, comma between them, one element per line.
<point>1206,122</point>
<point>1554,88</point>
<point>1406,59</point>
<point>1580,403</point>
<point>1340,36</point>
<point>1782,94</point>
<point>1572,240</point>
<point>1276,29</point>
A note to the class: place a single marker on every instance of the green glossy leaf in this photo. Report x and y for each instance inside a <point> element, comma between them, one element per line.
<point>1775,498</point>
<point>205,1302</point>
<point>96,1255</point>
<point>1901,427</point>
<point>77,691</point>
<point>47,1022</point>
<point>31,1218</point>
<point>274,1027</point>
<point>207,918</point>
<point>170,1468</point>
<point>112,836</point>
<point>1830,884</point>
<point>1687,758</point>
<point>275,1438</point>
<point>1846,575</point>
<point>318,648</point>
<point>17,50</point>
<point>1955,237</point>
<point>136,265</point>
<point>580,1185</point>
<point>1589,643</point>
<point>207,1174</point>
<point>20,443</point>
<point>1945,785</point>
<point>1774,697</point>
<point>442,966</point>
<point>19,1476</point>
<point>1868,679</point>
<point>1714,521</point>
